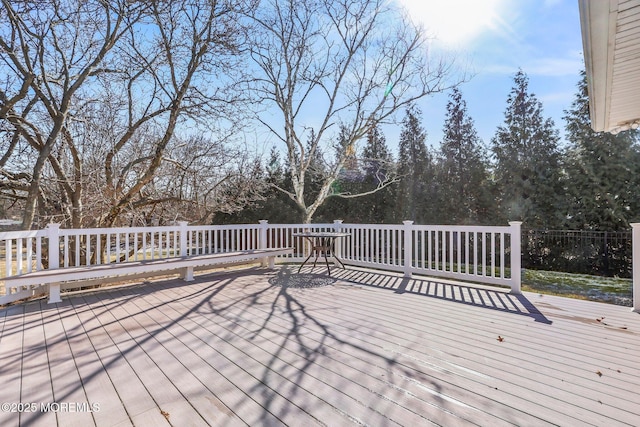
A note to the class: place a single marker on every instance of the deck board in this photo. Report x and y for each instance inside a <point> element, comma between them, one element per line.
<point>66,381</point>
<point>240,365</point>
<point>35,367</point>
<point>174,358</point>
<point>287,370</point>
<point>133,394</point>
<point>239,348</point>
<point>537,388</point>
<point>360,337</point>
<point>360,377</point>
<point>11,361</point>
<point>129,337</point>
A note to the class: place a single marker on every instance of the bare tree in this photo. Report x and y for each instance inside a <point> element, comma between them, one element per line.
<point>197,176</point>
<point>50,51</point>
<point>339,67</point>
<point>194,42</point>
<point>97,92</point>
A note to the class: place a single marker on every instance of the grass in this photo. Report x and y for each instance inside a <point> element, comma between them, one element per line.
<point>611,290</point>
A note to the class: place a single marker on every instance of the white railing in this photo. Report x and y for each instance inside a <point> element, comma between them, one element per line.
<point>473,253</point>
<point>479,254</point>
<point>26,251</point>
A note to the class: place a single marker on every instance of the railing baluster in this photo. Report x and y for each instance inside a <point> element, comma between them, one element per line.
<point>19,255</point>
<point>8,264</point>
<point>438,257</point>
<point>98,248</point>
<point>502,252</point>
<point>107,241</point>
<point>375,245</point>
<point>458,252</point>
<point>466,252</point>
<point>126,245</point>
<point>118,250</point>
<point>493,254</point>
<point>29,254</point>
<point>88,254</point>
<point>484,254</point>
<point>39,253</point>
<point>65,251</point>
<point>451,248</point>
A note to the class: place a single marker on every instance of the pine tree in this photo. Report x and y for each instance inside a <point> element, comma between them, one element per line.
<point>274,205</point>
<point>364,171</point>
<point>602,170</point>
<point>462,173</point>
<point>377,164</point>
<point>527,168</point>
<point>415,168</point>
<point>317,168</point>
<point>348,181</point>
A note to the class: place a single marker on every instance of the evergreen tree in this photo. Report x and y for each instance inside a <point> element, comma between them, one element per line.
<point>274,205</point>
<point>415,168</point>
<point>462,173</point>
<point>378,167</point>
<point>364,171</point>
<point>317,169</point>
<point>527,168</point>
<point>602,171</point>
<point>348,181</point>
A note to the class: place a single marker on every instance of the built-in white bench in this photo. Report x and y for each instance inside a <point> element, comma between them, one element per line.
<point>55,277</point>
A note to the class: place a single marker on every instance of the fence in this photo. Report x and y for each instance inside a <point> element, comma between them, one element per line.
<point>479,254</point>
<point>604,253</point>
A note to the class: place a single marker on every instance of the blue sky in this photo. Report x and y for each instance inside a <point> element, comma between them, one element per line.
<point>493,39</point>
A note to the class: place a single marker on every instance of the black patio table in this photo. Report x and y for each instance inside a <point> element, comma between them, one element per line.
<point>322,243</point>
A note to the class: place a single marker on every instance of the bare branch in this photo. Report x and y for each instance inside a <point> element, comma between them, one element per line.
<point>340,68</point>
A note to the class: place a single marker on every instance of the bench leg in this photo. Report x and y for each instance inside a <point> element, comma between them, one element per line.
<point>54,293</point>
<point>272,262</point>
<point>187,274</point>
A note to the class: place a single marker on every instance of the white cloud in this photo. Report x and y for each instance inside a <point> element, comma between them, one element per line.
<point>455,22</point>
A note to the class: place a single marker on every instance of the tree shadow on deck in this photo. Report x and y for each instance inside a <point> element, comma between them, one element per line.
<point>458,292</point>
<point>273,344</point>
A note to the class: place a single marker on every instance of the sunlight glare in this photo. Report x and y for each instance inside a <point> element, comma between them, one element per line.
<point>454,22</point>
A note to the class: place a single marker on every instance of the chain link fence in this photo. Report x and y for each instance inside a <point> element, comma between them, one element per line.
<point>603,253</point>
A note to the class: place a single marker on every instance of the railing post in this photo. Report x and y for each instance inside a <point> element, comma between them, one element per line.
<point>516,257</point>
<point>183,238</point>
<point>262,240</point>
<point>407,237</point>
<point>635,239</point>
<point>53,238</point>
<point>187,272</point>
<point>337,227</point>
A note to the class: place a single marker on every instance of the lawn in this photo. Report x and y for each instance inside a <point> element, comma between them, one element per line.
<point>596,288</point>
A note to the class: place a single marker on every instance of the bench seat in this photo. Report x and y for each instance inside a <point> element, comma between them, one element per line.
<point>54,277</point>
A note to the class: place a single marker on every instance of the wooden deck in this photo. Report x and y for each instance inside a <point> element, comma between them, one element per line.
<point>258,347</point>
